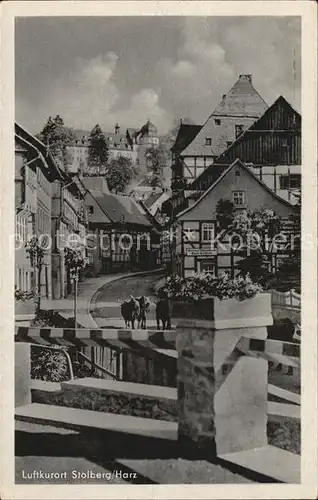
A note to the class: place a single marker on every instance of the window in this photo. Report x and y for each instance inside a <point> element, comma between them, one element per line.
<point>208,266</point>
<point>217,121</point>
<point>290,181</point>
<point>239,129</point>
<point>238,198</point>
<point>208,141</point>
<point>207,231</point>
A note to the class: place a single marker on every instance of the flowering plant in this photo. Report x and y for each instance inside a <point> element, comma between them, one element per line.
<point>201,285</point>
<point>22,295</point>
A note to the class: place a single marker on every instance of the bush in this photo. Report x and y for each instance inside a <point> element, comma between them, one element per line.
<point>22,296</point>
<point>202,284</point>
<point>49,364</point>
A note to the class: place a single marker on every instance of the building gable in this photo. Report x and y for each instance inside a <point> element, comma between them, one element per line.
<point>95,212</point>
<point>239,108</point>
<point>241,100</point>
<point>186,134</point>
<point>274,139</point>
<point>239,179</point>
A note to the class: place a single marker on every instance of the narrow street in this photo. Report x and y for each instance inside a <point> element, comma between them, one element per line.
<point>105,305</point>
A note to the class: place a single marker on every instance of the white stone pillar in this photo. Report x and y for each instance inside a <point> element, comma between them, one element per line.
<point>22,379</point>
<point>222,393</point>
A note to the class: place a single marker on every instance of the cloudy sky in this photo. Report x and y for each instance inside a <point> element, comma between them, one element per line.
<point>128,69</point>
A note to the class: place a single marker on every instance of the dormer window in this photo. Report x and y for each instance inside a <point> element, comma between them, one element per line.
<point>208,141</point>
<point>217,121</point>
<point>239,129</point>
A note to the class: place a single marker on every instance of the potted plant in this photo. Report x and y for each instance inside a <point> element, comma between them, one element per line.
<point>24,302</point>
<point>202,296</point>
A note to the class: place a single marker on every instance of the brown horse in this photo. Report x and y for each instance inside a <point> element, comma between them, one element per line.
<point>130,311</point>
<point>144,308</point>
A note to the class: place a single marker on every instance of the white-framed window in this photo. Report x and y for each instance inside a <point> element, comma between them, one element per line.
<point>292,181</point>
<point>239,198</point>
<point>207,231</point>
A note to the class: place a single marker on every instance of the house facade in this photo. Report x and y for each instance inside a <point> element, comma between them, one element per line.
<point>120,233</point>
<point>69,223</point>
<point>35,175</point>
<point>186,134</point>
<point>271,148</point>
<point>196,246</point>
<point>236,112</point>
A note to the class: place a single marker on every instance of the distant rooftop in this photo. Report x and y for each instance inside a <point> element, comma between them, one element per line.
<point>241,100</point>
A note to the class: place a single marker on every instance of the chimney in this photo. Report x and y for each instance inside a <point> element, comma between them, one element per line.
<point>246,77</point>
<point>223,96</point>
<point>117,128</point>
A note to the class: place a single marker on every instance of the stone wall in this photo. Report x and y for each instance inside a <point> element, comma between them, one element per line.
<point>113,397</point>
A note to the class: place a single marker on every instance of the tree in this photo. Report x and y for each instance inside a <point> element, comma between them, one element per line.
<point>224,213</point>
<point>253,234</point>
<point>157,162</point>
<point>97,151</point>
<point>56,136</point>
<point>35,253</point>
<point>119,173</point>
<point>74,263</point>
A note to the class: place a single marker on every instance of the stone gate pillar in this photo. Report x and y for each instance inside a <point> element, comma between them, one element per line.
<point>22,373</point>
<point>222,393</point>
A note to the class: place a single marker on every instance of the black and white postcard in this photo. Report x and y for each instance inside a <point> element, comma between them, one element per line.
<point>159,232</point>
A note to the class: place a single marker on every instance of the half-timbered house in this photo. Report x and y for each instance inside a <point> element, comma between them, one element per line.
<point>186,134</point>
<point>236,112</point>
<point>120,231</point>
<point>196,245</point>
<point>271,147</point>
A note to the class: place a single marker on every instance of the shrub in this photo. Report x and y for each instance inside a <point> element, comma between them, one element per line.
<point>203,284</point>
<point>49,364</point>
<point>22,296</point>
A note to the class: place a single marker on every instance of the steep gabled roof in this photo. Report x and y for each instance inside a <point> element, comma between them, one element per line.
<point>185,136</point>
<point>208,177</point>
<point>119,209</point>
<point>219,135</point>
<point>53,171</point>
<point>152,199</point>
<point>241,100</point>
<point>226,170</point>
<point>278,117</point>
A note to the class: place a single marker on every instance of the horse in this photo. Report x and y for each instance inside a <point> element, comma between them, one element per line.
<point>144,308</point>
<point>130,311</point>
<point>163,313</point>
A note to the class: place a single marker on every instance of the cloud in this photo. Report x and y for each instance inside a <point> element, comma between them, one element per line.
<point>182,72</point>
<point>145,104</point>
<point>200,70</point>
<point>213,53</point>
<point>88,92</point>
